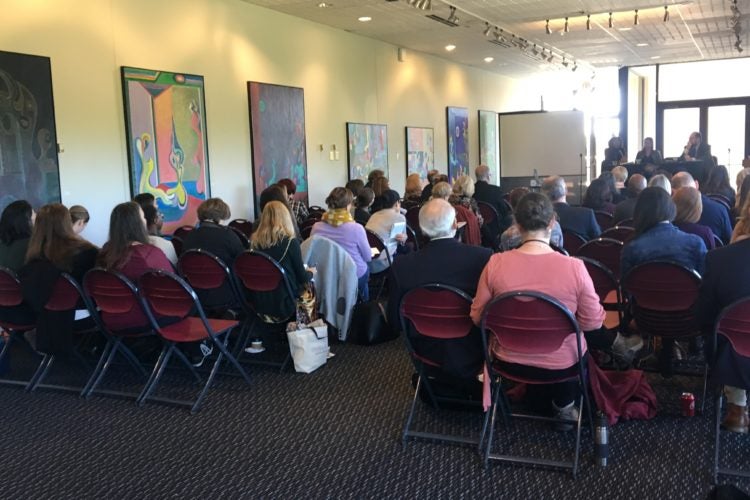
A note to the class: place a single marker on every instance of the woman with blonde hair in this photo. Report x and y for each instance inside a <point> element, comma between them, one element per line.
<point>742,229</point>
<point>413,191</point>
<point>467,209</point>
<point>689,206</point>
<point>275,238</point>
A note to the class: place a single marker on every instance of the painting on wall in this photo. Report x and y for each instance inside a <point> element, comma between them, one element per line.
<point>420,151</point>
<point>29,168</point>
<point>277,135</point>
<point>367,149</point>
<point>458,142</point>
<point>165,122</point>
<point>489,145</point>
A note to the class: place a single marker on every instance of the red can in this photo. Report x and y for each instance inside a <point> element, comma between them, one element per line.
<point>688,404</point>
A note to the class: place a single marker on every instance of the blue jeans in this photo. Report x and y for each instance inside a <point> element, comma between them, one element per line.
<point>363,290</point>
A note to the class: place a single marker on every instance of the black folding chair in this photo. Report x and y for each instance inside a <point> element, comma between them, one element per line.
<point>378,244</point>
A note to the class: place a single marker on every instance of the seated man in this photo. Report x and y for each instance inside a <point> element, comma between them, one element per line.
<point>447,261</point>
<point>579,220</point>
<point>714,215</point>
<point>624,209</point>
<point>489,193</point>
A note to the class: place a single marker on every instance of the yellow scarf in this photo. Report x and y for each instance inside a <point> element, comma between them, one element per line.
<point>337,216</point>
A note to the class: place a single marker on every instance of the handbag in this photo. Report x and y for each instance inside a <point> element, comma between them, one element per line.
<point>307,305</point>
<point>309,346</point>
<point>369,325</point>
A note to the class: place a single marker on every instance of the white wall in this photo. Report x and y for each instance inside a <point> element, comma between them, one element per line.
<point>346,78</point>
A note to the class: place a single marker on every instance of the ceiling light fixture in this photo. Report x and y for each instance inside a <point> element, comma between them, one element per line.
<point>610,20</point>
<point>489,59</point>
<point>450,47</point>
<point>364,19</point>
<point>549,31</point>
<point>655,57</point>
<point>487,30</point>
<point>635,19</point>
<point>565,30</point>
<point>575,67</point>
<point>323,5</point>
<point>551,56</point>
<point>588,22</point>
<point>666,13</point>
<point>535,51</point>
<point>564,62</point>
<point>453,18</point>
<point>642,44</point>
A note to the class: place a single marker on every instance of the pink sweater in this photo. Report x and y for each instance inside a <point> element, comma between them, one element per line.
<point>554,274</point>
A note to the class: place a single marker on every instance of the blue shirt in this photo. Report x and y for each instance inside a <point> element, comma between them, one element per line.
<point>664,242</point>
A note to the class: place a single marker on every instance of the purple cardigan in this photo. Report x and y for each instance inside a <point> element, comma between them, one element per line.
<point>699,230</point>
<point>352,237</point>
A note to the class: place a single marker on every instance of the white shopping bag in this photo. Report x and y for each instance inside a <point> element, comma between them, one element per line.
<point>309,346</point>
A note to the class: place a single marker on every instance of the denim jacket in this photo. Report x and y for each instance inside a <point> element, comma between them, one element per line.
<point>664,242</point>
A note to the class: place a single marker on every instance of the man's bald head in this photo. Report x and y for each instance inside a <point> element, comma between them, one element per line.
<point>636,183</point>
<point>482,173</point>
<point>436,219</point>
<point>683,179</point>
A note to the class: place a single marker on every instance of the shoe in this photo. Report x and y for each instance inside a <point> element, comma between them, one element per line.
<point>624,349</point>
<point>569,412</point>
<point>736,419</point>
<point>206,350</point>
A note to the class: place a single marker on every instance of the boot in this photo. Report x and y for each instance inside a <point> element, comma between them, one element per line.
<point>736,419</point>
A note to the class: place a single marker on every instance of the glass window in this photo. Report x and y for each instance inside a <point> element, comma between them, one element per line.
<point>678,125</point>
<point>726,135</point>
<point>704,80</point>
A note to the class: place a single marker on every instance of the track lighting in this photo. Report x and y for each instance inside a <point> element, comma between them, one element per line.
<point>666,13</point>
<point>611,24</point>
<point>534,51</point>
<point>588,22</point>
<point>551,56</point>
<point>487,30</point>
<point>635,20</point>
<point>566,25</point>
<point>564,62</point>
<point>549,31</point>
<point>453,18</point>
<point>575,67</point>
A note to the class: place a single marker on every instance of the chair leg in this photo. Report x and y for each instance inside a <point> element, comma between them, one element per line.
<point>243,338</point>
<point>96,378</point>
<point>705,388</point>
<point>40,372</point>
<point>133,360</point>
<point>410,416</point>
<point>156,373</point>
<point>576,457</point>
<point>211,376</point>
<point>223,350</point>
<point>488,448</point>
<point>6,347</point>
<point>188,364</point>
<point>717,428</point>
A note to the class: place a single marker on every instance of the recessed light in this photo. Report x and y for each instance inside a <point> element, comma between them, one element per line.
<point>450,48</point>
<point>655,57</point>
<point>641,45</point>
<point>364,19</point>
<point>323,5</point>
<point>627,28</point>
<point>489,59</point>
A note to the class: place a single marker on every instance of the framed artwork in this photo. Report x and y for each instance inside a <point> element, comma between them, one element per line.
<point>165,123</point>
<point>277,136</point>
<point>458,142</point>
<point>29,168</point>
<point>489,143</point>
<point>367,149</point>
<point>420,151</point>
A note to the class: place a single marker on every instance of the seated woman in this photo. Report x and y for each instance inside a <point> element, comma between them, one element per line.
<point>511,237</point>
<point>275,238</point>
<point>413,191</point>
<point>16,224</point>
<point>277,192</point>
<point>718,183</point>
<point>80,218</point>
<point>297,207</point>
<point>211,235</point>
<point>649,157</point>
<point>54,248</point>
<point>689,207</point>
<point>463,192</point>
<point>614,154</point>
<point>338,225</point>
<point>470,233</point>
<point>598,197</point>
<point>154,223</point>
<point>536,266</point>
<point>742,197</point>
<point>383,223</point>
<point>362,205</point>
<point>379,186</point>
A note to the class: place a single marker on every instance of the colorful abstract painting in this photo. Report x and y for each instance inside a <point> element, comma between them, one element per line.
<point>458,142</point>
<point>420,151</point>
<point>165,122</point>
<point>489,145</point>
<point>367,149</point>
<point>277,134</point>
<point>28,145</point>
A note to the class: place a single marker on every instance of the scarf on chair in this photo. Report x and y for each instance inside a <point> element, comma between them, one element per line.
<point>337,216</point>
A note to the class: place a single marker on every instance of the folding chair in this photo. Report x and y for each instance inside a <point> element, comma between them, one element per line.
<point>411,237</point>
<point>257,273</point>
<point>306,227</point>
<point>619,233</point>
<point>243,225</point>
<point>661,295</point>
<point>212,281</point>
<point>412,221</point>
<point>733,325</point>
<point>242,236</point>
<point>626,222</point>
<point>605,251</point>
<point>166,295</point>
<point>717,242</point>
<point>531,323</point>
<point>606,286</point>
<point>182,231</point>
<point>315,212</point>
<point>491,222</point>
<point>11,303</point>
<point>377,243</point>
<point>437,313</point>
<point>572,241</point>
<point>177,243</point>
<point>604,219</point>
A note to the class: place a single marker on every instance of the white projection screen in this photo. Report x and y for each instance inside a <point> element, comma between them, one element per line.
<point>550,142</point>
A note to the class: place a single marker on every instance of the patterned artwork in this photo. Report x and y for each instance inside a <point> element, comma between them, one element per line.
<point>165,121</point>
<point>420,151</point>
<point>489,145</point>
<point>367,149</point>
<point>28,144</point>
<point>458,142</point>
<point>277,133</point>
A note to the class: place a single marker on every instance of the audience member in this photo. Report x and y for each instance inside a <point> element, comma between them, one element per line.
<point>579,220</point>
<point>661,181</point>
<point>298,209</point>
<point>609,179</point>
<point>355,186</point>
<point>338,225</point>
<point>598,197</point>
<point>624,209</point>
<point>448,262</point>
<point>741,177</point>
<point>742,197</point>
<point>144,199</point>
<point>689,206</point>
<point>489,193</point>
<point>714,215</point>
<point>742,229</point>
<point>718,183</point>
<point>511,238</point>
<point>441,191</point>
<point>383,224</point>
<point>79,216</point>
<point>16,224</point>
<point>276,193</point>
<point>564,278</point>
<point>362,205</point>
<point>154,223</point>
<point>463,192</point>
<point>470,232</point>
<point>413,191</point>
<point>211,235</point>
<point>379,186</point>
<point>427,190</point>
<point>620,175</point>
<point>374,174</point>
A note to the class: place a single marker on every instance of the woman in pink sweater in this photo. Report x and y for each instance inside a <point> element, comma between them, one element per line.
<point>536,266</point>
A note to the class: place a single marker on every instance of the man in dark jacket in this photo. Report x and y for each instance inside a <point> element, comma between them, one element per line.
<point>579,220</point>
<point>493,195</point>
<point>624,209</point>
<point>714,214</point>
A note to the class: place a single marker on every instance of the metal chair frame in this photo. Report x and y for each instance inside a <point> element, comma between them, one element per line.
<point>572,237</point>
<point>593,247</point>
<point>376,241</point>
<point>15,331</point>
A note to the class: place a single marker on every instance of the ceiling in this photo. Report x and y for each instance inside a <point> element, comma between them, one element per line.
<point>696,30</point>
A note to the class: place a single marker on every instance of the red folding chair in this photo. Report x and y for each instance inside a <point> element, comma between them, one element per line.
<point>259,273</point>
<point>733,326</point>
<point>177,243</point>
<point>166,295</point>
<point>15,317</point>
<point>572,241</point>
<point>604,219</point>
<point>488,212</point>
<point>438,314</point>
<point>182,231</point>
<point>212,281</point>
<point>603,250</point>
<point>619,233</point>
<point>607,288</point>
<point>315,212</point>
<point>531,323</point>
<point>626,222</point>
<point>242,225</point>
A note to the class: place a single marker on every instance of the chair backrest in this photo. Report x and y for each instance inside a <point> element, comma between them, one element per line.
<point>308,223</point>
<point>10,288</point>
<point>605,250</point>
<point>734,324</point>
<point>559,250</point>
<point>315,212</point>
<point>411,237</point>
<point>205,272</point>
<point>166,295</point>
<point>66,295</point>
<point>116,299</point>
<point>177,243</point>
<point>412,218</point>
<point>305,232</point>
<point>529,322</point>
<point>489,213</point>
<point>258,272</point>
<point>604,219</point>
<point>572,241</point>
<point>717,241</point>
<point>722,200</point>
<point>182,231</point>
<point>242,236</point>
<point>619,233</point>
<point>243,225</point>
<point>626,222</point>
<point>603,279</point>
<point>377,243</point>
<point>437,311</point>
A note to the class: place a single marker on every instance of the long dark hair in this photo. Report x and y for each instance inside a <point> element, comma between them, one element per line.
<point>654,205</point>
<point>53,237</point>
<point>718,181</point>
<point>597,194</point>
<point>15,222</point>
<point>126,227</point>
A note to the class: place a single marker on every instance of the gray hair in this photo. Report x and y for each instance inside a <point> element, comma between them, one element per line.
<point>554,187</point>
<point>442,190</point>
<point>661,181</point>
<point>482,173</point>
<point>682,179</point>
<point>436,219</point>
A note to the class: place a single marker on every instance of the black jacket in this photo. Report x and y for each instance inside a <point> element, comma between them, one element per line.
<point>580,220</point>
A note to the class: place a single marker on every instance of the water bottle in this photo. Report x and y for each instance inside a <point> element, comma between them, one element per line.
<point>601,439</point>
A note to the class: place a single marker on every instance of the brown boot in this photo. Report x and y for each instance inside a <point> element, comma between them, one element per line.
<point>736,419</point>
